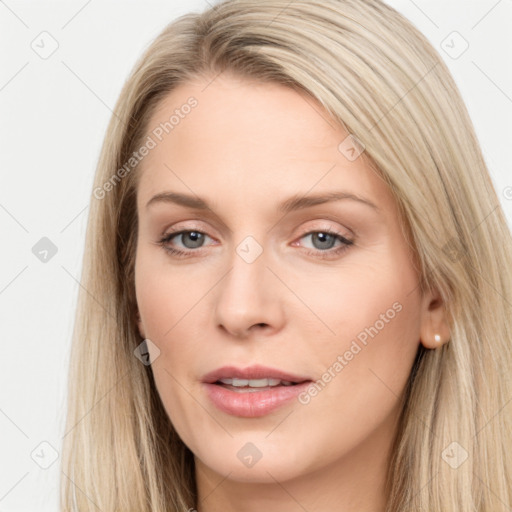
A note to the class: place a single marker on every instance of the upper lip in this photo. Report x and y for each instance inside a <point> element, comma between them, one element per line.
<point>251,372</point>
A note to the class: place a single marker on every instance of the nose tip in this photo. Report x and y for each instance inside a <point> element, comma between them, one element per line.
<point>243,332</point>
<point>247,299</point>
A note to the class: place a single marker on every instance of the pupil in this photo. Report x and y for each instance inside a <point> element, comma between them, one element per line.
<point>196,238</point>
<point>324,236</point>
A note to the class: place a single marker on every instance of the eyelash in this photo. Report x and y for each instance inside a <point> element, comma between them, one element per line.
<point>310,252</point>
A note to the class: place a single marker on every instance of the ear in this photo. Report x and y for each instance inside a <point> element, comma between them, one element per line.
<point>140,326</point>
<point>434,329</point>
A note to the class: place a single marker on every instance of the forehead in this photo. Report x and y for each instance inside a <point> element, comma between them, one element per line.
<point>257,140</point>
<point>235,112</point>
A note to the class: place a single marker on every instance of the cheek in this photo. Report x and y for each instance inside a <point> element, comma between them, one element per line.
<point>170,308</point>
<point>165,301</point>
<point>374,351</point>
<point>365,367</point>
<point>166,297</point>
<point>363,303</point>
<point>375,315</point>
<point>370,311</point>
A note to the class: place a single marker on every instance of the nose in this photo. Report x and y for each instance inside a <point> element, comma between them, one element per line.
<point>249,298</point>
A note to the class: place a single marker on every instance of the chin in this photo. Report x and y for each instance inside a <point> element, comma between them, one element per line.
<point>243,462</point>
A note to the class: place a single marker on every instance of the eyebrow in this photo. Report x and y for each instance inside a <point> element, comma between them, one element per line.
<point>296,202</point>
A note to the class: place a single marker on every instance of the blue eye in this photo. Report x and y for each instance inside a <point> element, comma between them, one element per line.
<point>325,239</point>
<point>191,239</point>
<point>325,242</point>
<point>322,241</point>
<point>195,238</point>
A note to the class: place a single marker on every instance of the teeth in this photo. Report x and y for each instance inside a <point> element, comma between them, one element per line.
<point>255,383</point>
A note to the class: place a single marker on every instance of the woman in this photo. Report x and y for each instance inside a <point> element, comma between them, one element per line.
<point>297,288</point>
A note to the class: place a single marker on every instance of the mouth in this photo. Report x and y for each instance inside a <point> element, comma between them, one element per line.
<point>255,376</point>
<point>254,385</point>
<point>254,391</point>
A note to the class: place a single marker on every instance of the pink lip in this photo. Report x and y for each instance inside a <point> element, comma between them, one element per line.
<point>251,372</point>
<point>252,404</point>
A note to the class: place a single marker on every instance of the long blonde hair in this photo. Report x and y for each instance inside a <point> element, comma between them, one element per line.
<point>380,79</point>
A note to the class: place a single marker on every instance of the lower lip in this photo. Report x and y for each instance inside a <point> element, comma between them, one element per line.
<point>252,404</point>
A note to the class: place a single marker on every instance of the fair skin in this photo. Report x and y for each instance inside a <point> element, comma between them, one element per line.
<point>244,149</point>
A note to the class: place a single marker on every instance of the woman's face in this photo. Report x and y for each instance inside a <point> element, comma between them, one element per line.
<point>322,290</point>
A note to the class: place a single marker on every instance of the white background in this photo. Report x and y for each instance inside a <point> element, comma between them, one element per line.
<point>54,113</point>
